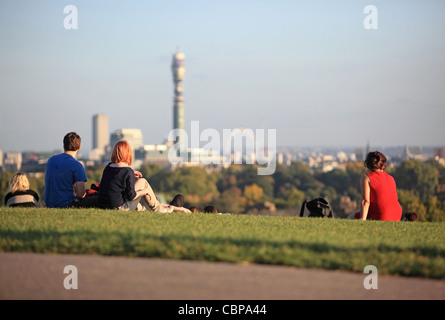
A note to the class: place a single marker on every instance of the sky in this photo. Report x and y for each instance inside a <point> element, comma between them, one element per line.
<point>309,69</point>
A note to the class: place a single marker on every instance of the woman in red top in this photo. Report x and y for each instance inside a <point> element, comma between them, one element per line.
<point>379,196</point>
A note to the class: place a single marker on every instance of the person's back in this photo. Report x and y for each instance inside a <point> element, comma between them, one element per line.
<point>116,186</point>
<point>20,195</point>
<point>63,173</point>
<point>384,204</point>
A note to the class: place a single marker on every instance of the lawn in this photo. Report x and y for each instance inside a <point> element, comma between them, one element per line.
<point>402,248</point>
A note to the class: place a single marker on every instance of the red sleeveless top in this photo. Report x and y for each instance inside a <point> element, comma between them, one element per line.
<point>384,203</point>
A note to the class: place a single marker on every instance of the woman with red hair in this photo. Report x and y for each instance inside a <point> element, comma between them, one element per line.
<point>125,189</point>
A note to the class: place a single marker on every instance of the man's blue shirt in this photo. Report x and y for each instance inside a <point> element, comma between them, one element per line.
<point>62,172</point>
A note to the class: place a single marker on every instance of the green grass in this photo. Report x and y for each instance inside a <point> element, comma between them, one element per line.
<point>403,248</point>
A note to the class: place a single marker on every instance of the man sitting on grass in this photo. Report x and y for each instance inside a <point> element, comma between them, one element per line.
<point>65,176</point>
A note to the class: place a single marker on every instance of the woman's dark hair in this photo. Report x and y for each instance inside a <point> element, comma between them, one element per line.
<point>375,160</point>
<point>410,216</point>
<point>178,201</point>
<point>71,142</point>
<point>210,209</point>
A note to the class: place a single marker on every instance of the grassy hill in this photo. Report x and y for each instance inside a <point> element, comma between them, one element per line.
<point>403,248</point>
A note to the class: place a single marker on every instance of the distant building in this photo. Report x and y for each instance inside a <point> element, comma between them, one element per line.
<point>342,157</point>
<point>96,154</point>
<point>101,136</point>
<point>439,156</point>
<point>13,161</point>
<point>439,153</point>
<point>416,150</point>
<point>153,154</point>
<point>359,154</point>
<point>280,158</point>
<point>353,157</point>
<point>406,155</point>
<point>101,133</point>
<point>1,159</point>
<point>132,136</point>
<point>31,162</point>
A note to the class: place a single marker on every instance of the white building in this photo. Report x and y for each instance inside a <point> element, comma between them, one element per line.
<point>132,136</point>
<point>13,161</point>
<point>101,133</point>
<point>101,136</point>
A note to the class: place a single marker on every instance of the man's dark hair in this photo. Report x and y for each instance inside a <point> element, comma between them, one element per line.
<point>71,142</point>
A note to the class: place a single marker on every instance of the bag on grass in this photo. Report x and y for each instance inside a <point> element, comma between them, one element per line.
<point>318,208</point>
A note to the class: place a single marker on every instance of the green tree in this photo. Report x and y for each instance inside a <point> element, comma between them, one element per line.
<point>227,181</point>
<point>4,185</point>
<point>302,177</point>
<point>38,185</point>
<point>355,170</point>
<point>294,197</point>
<point>417,176</point>
<point>248,175</point>
<point>231,201</point>
<point>253,194</point>
<point>338,179</point>
<point>94,174</point>
<point>435,209</point>
<point>410,201</point>
<point>158,177</point>
<point>298,176</point>
<point>439,167</point>
<point>193,181</point>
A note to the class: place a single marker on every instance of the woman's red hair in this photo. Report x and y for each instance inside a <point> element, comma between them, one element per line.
<point>122,153</point>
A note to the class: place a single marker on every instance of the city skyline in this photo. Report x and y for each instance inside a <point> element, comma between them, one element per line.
<point>308,69</point>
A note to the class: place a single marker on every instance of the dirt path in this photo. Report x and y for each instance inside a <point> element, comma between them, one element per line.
<point>41,276</point>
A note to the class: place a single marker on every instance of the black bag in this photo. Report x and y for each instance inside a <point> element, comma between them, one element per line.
<point>318,208</point>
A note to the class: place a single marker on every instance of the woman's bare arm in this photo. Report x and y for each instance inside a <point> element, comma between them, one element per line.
<point>366,195</point>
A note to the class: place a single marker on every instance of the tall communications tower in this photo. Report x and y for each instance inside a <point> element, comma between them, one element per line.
<point>178,70</point>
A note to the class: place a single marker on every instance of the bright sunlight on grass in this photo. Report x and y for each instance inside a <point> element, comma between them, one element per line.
<point>403,248</point>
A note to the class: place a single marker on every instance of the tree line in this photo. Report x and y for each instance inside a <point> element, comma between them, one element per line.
<point>239,189</point>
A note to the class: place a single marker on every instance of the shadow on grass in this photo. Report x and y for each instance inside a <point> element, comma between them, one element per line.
<point>31,238</point>
<point>424,261</point>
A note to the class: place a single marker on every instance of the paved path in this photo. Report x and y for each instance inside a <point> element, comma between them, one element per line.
<point>40,276</point>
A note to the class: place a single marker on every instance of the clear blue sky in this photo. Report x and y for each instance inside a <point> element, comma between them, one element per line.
<point>308,69</point>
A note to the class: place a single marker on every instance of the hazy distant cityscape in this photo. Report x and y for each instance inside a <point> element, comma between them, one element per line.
<point>325,158</point>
